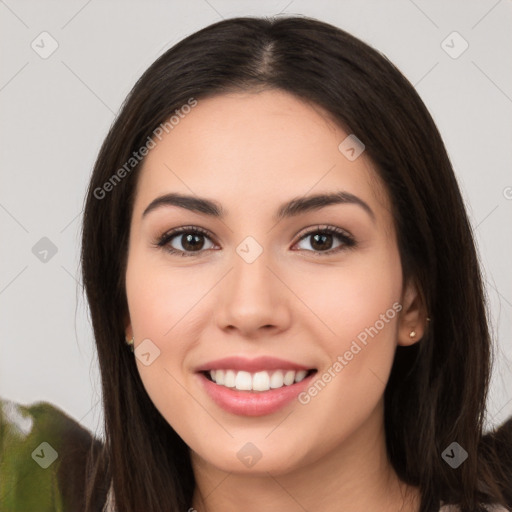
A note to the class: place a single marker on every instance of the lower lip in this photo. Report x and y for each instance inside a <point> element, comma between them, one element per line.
<point>253,403</point>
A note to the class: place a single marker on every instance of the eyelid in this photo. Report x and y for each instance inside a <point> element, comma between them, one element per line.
<point>186,229</point>
<point>323,227</point>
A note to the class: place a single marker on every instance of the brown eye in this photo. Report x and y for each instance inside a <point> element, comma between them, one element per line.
<point>191,242</point>
<point>185,240</point>
<point>322,239</point>
<point>321,242</point>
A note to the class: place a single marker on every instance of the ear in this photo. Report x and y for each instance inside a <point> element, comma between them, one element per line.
<point>413,317</point>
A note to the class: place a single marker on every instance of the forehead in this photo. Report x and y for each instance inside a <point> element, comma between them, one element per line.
<point>261,146</point>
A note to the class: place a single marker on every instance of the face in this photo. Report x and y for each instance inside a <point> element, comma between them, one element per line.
<point>298,314</point>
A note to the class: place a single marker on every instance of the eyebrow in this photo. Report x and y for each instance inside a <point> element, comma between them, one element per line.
<point>294,207</point>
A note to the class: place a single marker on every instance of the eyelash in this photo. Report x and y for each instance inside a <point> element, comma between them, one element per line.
<point>347,240</point>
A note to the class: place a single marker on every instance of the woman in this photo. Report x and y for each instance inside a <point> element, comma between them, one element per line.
<point>284,288</point>
<point>251,114</point>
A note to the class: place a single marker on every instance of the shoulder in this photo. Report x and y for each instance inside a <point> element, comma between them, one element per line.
<point>43,453</point>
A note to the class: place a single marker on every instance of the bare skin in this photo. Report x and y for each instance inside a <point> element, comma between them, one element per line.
<point>251,153</point>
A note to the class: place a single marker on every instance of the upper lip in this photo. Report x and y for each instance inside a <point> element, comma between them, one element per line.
<point>251,365</point>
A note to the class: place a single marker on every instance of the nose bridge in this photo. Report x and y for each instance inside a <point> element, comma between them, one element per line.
<point>252,297</point>
<point>250,267</point>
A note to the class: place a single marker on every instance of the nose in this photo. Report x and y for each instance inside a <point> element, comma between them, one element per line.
<point>253,300</point>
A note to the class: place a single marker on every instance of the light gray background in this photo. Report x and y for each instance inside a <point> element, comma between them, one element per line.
<point>55,113</point>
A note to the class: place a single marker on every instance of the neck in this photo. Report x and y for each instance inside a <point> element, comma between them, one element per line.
<point>357,475</point>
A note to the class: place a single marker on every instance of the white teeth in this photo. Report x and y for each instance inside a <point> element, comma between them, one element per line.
<point>259,381</point>
<point>300,375</point>
<point>229,379</point>
<point>218,377</point>
<point>243,381</point>
<point>277,380</point>
<point>289,377</point>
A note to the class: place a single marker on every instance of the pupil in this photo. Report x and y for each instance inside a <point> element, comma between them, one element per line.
<point>189,240</point>
<point>324,245</point>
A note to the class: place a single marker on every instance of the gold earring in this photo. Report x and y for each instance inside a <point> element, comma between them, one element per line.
<point>412,334</point>
<point>130,342</point>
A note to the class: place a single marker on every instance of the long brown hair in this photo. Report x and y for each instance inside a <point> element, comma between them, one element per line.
<point>437,390</point>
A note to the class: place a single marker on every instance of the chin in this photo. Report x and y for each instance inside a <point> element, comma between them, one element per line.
<point>257,459</point>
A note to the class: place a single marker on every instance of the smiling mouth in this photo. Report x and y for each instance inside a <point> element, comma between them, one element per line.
<point>257,381</point>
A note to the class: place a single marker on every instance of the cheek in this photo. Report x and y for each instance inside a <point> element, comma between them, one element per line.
<point>361,307</point>
<point>171,307</point>
<point>159,302</point>
<point>161,299</point>
<point>346,300</point>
